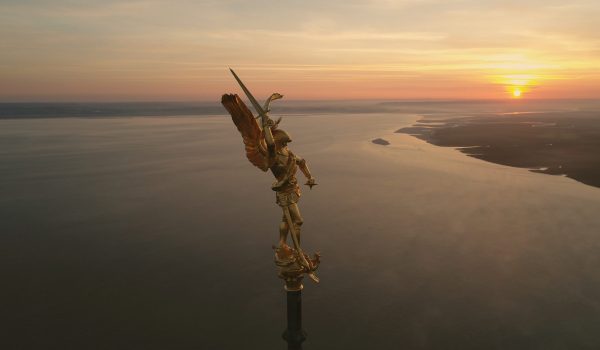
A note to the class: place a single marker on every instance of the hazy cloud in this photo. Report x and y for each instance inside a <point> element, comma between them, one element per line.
<point>59,49</point>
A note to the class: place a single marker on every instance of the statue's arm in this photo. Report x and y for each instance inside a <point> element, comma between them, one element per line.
<point>304,168</point>
<point>269,139</point>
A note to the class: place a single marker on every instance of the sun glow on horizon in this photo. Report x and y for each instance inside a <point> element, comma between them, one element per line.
<point>516,93</point>
<point>517,85</point>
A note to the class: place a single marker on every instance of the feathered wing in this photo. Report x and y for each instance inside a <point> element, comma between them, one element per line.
<point>248,127</point>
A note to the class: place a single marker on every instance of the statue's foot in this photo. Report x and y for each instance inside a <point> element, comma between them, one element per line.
<point>283,245</point>
<point>284,252</point>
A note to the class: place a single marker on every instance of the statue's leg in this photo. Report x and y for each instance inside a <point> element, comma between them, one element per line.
<point>292,214</point>
<point>296,218</point>
<point>283,230</point>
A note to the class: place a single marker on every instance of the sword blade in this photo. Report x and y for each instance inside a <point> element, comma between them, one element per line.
<point>255,104</point>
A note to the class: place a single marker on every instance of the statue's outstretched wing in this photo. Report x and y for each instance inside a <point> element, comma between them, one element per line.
<point>248,127</point>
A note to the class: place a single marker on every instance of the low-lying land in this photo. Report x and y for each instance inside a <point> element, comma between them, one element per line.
<point>562,143</point>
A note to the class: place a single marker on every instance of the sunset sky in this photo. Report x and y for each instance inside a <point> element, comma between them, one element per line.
<point>57,50</point>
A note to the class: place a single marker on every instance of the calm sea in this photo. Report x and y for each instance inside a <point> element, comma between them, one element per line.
<point>142,226</point>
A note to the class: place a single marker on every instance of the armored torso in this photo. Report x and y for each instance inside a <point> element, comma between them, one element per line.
<point>284,168</point>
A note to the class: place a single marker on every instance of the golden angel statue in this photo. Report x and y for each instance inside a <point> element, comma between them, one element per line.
<point>267,148</point>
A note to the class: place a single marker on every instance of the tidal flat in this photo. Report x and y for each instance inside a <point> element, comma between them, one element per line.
<point>556,143</point>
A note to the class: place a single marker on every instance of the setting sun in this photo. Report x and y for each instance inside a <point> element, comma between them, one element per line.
<point>517,85</point>
<point>516,92</point>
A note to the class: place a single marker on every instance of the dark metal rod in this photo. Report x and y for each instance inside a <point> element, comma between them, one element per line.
<point>294,334</point>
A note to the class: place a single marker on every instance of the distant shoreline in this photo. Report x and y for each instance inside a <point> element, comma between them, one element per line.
<point>31,110</point>
<point>558,143</point>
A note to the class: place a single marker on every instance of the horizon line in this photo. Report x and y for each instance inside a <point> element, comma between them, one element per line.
<point>308,100</point>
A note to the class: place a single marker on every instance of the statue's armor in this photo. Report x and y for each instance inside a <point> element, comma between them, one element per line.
<point>266,148</point>
<point>286,186</point>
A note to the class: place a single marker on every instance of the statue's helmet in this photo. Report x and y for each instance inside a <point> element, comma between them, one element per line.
<point>281,137</point>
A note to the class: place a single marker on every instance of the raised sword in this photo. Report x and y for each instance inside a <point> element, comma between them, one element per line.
<point>259,110</point>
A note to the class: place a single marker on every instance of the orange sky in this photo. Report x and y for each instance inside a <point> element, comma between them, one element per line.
<point>382,49</point>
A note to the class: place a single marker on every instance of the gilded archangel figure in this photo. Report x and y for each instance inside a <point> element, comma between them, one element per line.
<point>267,148</point>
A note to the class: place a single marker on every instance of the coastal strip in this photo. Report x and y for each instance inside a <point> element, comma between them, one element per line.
<point>565,143</point>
